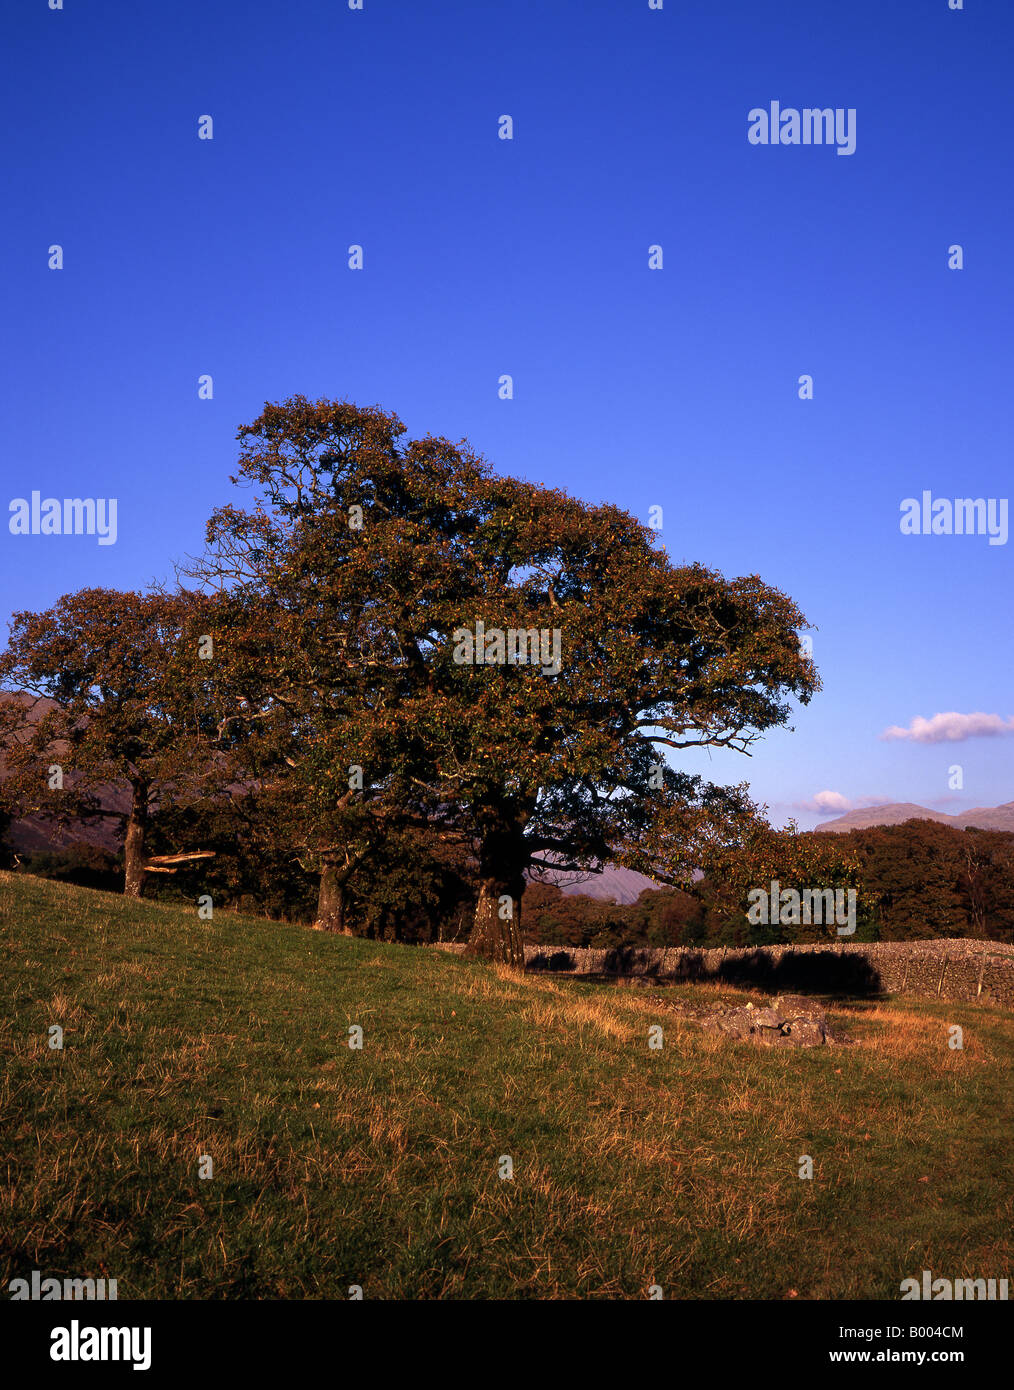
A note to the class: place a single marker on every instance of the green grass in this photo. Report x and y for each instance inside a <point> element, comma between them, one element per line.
<point>379,1167</point>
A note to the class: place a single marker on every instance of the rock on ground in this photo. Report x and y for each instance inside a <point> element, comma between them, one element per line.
<point>791,1021</point>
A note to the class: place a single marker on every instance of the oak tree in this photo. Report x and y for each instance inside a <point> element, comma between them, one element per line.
<point>112,716</point>
<point>507,664</point>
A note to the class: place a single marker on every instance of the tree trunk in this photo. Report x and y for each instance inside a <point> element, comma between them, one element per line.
<point>133,845</point>
<point>496,930</point>
<point>331,899</point>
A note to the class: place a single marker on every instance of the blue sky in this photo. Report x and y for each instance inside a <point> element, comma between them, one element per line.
<point>675,388</point>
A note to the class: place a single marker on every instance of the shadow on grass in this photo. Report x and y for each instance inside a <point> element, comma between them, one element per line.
<point>806,972</point>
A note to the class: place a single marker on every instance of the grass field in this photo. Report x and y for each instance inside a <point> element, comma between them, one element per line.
<point>379,1167</point>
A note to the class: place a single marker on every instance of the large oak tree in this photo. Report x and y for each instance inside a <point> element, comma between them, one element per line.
<point>366,563</point>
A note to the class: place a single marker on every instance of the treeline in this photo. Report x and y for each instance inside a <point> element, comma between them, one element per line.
<point>411,887</point>
<point>934,880</point>
<point>914,881</point>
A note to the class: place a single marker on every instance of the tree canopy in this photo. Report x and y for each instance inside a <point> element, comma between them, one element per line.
<point>502,662</point>
<point>123,703</point>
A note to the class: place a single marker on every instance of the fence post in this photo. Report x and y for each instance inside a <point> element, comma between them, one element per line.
<point>942,974</point>
<point>982,970</point>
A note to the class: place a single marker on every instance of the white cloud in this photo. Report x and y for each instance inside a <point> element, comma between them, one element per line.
<point>951,728</point>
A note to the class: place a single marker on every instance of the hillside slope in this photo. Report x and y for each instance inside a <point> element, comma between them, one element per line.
<point>381,1167</point>
<point>897,812</point>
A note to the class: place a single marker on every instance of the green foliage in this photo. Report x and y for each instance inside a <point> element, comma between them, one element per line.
<point>109,687</point>
<point>346,640</point>
<point>934,880</point>
<point>795,861</point>
<point>662,917</point>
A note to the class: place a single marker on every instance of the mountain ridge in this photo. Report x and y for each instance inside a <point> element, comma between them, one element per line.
<point>896,812</point>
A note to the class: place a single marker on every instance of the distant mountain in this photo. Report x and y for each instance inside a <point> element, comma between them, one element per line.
<point>989,817</point>
<point>980,818</point>
<point>623,885</point>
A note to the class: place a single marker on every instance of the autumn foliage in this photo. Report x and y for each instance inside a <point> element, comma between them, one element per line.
<point>313,659</point>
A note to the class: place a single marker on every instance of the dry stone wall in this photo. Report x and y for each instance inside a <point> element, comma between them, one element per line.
<point>959,968</point>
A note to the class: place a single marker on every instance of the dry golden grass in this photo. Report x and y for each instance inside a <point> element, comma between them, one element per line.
<point>380,1167</point>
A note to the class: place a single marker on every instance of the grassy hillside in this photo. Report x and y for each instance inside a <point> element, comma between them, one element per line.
<point>335,1167</point>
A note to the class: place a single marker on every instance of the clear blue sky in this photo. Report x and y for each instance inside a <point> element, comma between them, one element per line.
<point>530,257</point>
